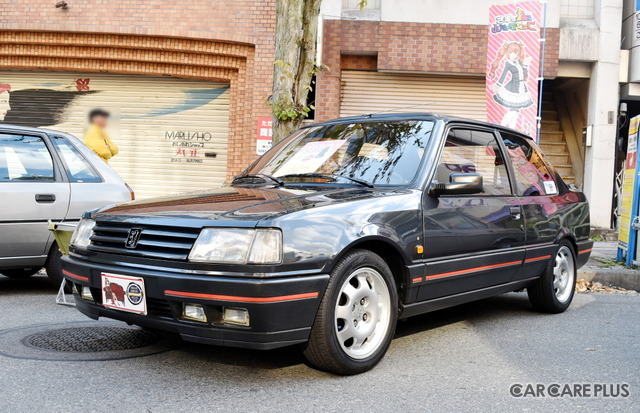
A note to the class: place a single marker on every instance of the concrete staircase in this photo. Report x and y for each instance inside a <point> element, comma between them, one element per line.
<point>552,140</point>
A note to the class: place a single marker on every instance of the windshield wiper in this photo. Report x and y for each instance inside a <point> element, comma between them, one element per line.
<point>329,175</point>
<point>261,176</point>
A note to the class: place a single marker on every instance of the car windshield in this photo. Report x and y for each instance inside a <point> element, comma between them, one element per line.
<point>387,153</point>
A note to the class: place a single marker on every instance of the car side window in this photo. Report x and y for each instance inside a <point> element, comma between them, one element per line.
<point>24,158</point>
<point>78,169</point>
<point>532,170</point>
<point>474,151</point>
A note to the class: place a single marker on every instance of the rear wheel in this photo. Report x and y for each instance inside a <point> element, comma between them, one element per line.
<point>20,273</point>
<point>553,292</point>
<point>357,316</point>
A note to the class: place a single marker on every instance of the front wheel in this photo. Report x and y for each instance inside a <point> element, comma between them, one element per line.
<point>357,316</point>
<point>553,292</point>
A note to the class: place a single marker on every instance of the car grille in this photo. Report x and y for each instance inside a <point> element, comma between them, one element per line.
<point>172,243</point>
<point>159,308</point>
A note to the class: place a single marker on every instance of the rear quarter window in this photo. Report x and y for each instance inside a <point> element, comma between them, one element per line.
<point>77,167</point>
<point>533,173</point>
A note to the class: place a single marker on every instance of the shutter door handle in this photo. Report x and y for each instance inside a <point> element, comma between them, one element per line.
<point>45,198</point>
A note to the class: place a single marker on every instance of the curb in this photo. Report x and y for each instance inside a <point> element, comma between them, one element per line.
<point>612,277</point>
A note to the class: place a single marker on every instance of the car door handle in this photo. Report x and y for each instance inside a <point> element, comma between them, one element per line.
<point>45,198</point>
<point>515,212</point>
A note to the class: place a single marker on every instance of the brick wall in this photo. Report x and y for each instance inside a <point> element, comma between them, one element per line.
<point>223,40</point>
<point>410,47</point>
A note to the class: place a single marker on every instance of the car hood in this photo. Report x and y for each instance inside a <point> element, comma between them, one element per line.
<point>242,203</point>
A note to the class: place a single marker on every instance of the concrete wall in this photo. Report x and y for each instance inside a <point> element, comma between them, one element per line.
<point>602,113</point>
<point>432,11</point>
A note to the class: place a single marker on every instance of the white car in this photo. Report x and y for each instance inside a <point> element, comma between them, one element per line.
<point>47,175</point>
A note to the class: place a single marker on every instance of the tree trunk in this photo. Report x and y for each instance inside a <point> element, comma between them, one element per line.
<point>295,63</point>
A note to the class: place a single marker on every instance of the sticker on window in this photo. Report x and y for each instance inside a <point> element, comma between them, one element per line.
<point>550,187</point>
<point>310,158</point>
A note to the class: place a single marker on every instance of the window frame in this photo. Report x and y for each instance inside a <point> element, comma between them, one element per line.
<point>58,176</point>
<point>65,166</point>
<point>534,147</point>
<point>501,147</point>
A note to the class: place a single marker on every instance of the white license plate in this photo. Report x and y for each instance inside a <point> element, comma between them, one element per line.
<point>124,293</point>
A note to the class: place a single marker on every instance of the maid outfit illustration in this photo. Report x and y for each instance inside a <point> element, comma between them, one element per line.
<point>511,88</point>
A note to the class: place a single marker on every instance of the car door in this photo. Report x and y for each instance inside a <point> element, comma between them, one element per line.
<point>33,190</point>
<point>477,240</point>
<point>542,206</point>
<point>87,186</point>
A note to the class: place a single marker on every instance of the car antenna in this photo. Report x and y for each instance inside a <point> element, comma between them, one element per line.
<point>368,115</point>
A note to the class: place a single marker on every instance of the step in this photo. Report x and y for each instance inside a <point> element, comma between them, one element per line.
<point>569,179</point>
<point>548,147</point>
<point>551,136</point>
<point>558,158</point>
<point>550,126</point>
<point>548,105</point>
<point>564,170</point>
<point>548,114</point>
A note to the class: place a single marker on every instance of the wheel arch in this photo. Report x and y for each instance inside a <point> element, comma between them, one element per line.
<point>387,250</point>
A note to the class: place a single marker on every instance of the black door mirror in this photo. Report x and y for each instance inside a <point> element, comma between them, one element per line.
<point>459,184</point>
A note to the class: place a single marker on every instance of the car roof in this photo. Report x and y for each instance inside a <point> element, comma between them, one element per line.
<point>19,128</point>
<point>415,116</point>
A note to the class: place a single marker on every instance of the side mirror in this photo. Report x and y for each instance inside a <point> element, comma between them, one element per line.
<point>459,184</point>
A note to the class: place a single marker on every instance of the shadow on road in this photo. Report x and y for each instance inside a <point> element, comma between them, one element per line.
<point>494,307</point>
<point>491,308</point>
<point>38,284</point>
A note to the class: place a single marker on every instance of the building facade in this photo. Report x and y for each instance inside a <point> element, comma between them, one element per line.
<point>430,56</point>
<point>186,83</point>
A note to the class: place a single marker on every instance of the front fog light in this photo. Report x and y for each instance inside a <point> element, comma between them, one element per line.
<point>86,293</point>
<point>194,312</point>
<point>237,316</point>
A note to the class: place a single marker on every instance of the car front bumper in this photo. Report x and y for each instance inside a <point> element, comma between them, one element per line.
<point>281,310</point>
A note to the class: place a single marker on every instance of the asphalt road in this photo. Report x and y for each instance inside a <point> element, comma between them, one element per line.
<point>460,359</point>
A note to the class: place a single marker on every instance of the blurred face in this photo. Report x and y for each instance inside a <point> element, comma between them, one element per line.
<point>101,121</point>
<point>4,104</point>
<point>513,55</point>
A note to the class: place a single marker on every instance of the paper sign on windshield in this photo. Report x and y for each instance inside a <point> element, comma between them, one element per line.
<point>310,158</point>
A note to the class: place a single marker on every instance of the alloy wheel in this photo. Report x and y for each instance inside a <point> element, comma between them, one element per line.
<point>563,274</point>
<point>362,313</point>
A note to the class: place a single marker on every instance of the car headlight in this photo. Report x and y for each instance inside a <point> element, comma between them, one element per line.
<point>82,235</point>
<point>238,246</point>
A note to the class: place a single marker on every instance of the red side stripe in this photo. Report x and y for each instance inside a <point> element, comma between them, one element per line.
<point>470,270</point>
<point>585,251</point>
<point>544,257</point>
<point>76,276</point>
<point>218,297</point>
<point>417,279</point>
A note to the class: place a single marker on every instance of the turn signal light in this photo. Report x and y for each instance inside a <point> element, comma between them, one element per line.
<point>133,194</point>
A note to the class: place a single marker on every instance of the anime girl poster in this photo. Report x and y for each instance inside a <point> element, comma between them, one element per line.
<point>513,56</point>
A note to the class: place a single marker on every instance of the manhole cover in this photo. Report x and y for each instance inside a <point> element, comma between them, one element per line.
<point>84,341</point>
<point>92,339</point>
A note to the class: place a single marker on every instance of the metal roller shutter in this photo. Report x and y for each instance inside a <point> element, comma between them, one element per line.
<point>172,133</point>
<point>372,92</point>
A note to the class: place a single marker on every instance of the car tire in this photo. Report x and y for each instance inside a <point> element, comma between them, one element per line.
<point>357,316</point>
<point>553,292</point>
<point>53,266</point>
<point>20,273</point>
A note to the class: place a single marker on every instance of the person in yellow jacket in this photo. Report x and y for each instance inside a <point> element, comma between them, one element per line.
<point>96,136</point>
